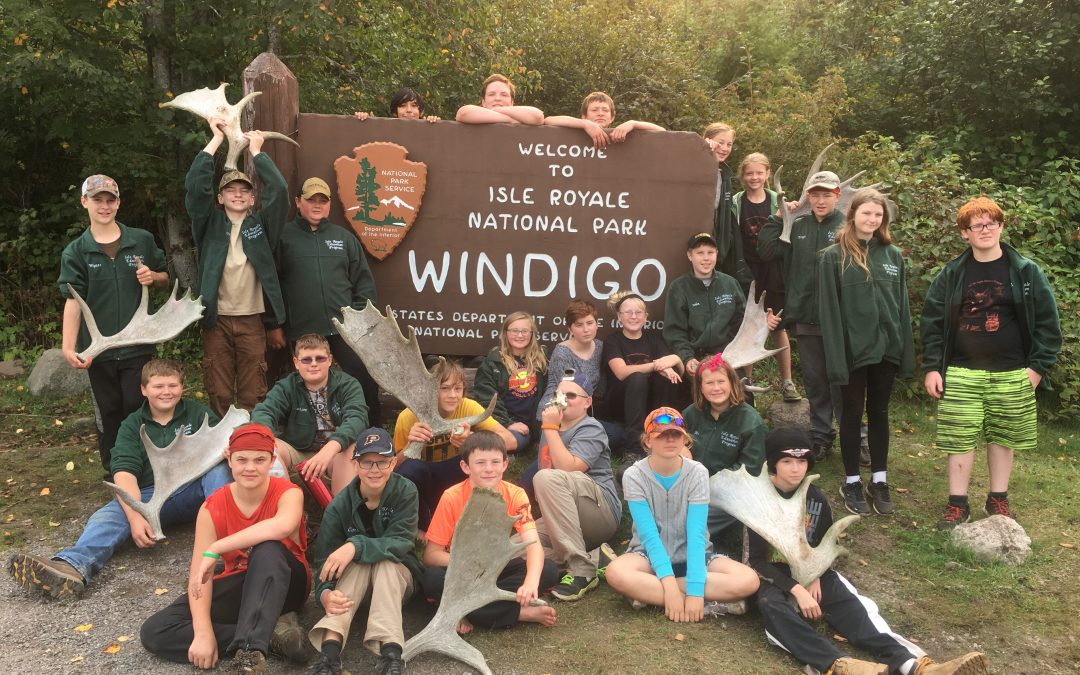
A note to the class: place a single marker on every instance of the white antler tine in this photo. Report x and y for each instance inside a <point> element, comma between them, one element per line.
<point>88,317</point>
<point>817,165</point>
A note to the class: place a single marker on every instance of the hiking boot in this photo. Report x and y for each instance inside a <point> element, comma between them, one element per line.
<point>248,662</point>
<point>864,454</point>
<point>953,516</point>
<point>717,608</point>
<point>878,496</point>
<point>853,498</point>
<point>607,554</point>
<point>390,661</point>
<point>791,394</point>
<point>55,578</point>
<point>326,666</point>
<point>849,666</point>
<point>571,588</point>
<point>968,664</point>
<point>819,452</point>
<point>998,506</point>
<point>289,641</point>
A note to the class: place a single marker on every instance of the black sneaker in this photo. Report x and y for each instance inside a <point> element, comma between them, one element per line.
<point>953,516</point>
<point>390,664</point>
<point>819,452</point>
<point>878,495</point>
<point>853,498</point>
<point>55,578</point>
<point>864,455</point>
<point>998,506</point>
<point>571,588</point>
<point>607,554</point>
<point>326,666</point>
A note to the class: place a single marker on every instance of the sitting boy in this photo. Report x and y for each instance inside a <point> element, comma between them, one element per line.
<point>597,114</point>
<point>164,415</point>
<point>497,106</point>
<point>365,549</point>
<point>317,413</point>
<point>484,460</point>
<point>575,489</point>
<point>439,466</point>
<point>257,525</point>
<point>789,457</point>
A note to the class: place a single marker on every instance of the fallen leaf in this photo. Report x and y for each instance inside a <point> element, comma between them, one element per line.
<point>124,638</point>
<point>82,628</point>
<point>10,517</point>
<point>18,431</point>
<point>1061,441</point>
<point>44,492</point>
<point>902,491</point>
<point>839,638</point>
<point>160,591</point>
<point>75,481</point>
<point>112,648</point>
<point>70,466</point>
<point>53,524</point>
<point>58,423</point>
<point>680,637</point>
<point>863,563</point>
<point>1066,544</point>
<point>77,659</point>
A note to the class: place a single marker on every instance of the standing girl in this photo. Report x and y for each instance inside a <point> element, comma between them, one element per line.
<point>726,430</point>
<point>751,209</point>
<point>514,372</point>
<point>670,562</point>
<point>866,328</point>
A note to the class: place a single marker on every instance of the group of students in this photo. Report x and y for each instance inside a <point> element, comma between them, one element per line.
<point>989,321</point>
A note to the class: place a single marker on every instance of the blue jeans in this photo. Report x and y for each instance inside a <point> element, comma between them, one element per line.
<point>108,528</point>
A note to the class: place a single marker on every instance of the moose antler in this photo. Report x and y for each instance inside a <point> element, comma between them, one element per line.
<point>748,345</point>
<point>781,522</point>
<point>207,103</point>
<point>176,314</point>
<point>394,362</point>
<point>847,191</point>
<point>187,458</point>
<point>479,551</point>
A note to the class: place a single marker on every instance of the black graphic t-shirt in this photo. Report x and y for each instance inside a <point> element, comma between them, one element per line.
<point>988,334</point>
<point>521,389</point>
<point>324,423</point>
<point>752,217</point>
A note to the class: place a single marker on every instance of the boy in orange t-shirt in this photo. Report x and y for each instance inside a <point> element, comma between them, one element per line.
<point>484,460</point>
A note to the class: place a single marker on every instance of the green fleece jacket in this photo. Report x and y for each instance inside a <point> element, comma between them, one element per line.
<point>799,260</point>
<point>321,271</point>
<point>287,409</point>
<point>492,379</point>
<point>729,245</point>
<point>865,317</point>
<point>1036,310</point>
<point>109,287</point>
<point>736,437</point>
<point>700,320</point>
<point>394,529</point>
<point>129,455</point>
<point>211,230</point>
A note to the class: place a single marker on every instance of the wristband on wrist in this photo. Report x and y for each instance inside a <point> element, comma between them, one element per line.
<point>550,427</point>
<point>208,554</point>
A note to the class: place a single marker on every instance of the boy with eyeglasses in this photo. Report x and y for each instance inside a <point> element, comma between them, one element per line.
<point>316,413</point>
<point>365,550</point>
<point>990,334</point>
<point>238,278</point>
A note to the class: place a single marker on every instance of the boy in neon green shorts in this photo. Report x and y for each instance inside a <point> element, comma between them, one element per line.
<point>990,333</point>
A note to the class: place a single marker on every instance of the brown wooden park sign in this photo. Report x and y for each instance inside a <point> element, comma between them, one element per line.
<point>498,218</point>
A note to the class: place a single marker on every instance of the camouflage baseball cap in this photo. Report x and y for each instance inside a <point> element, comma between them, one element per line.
<point>232,177</point>
<point>100,183</point>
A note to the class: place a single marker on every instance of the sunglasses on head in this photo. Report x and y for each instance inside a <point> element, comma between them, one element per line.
<point>661,420</point>
<point>308,360</point>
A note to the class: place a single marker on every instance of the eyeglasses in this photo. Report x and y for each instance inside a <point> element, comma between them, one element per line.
<point>981,227</point>
<point>633,312</point>
<point>571,396</point>
<point>661,420</point>
<point>519,331</point>
<point>308,360</point>
<point>380,464</point>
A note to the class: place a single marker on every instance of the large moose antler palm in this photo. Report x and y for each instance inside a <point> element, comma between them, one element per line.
<point>395,363</point>
<point>755,502</point>
<point>186,459</point>
<point>176,314</point>
<point>207,103</point>
<point>847,191</point>
<point>480,549</point>
<point>748,345</point>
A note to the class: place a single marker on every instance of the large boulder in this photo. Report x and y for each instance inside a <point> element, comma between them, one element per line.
<point>53,376</point>
<point>994,539</point>
<point>789,414</point>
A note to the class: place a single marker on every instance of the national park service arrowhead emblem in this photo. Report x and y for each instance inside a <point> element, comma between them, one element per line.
<point>381,193</point>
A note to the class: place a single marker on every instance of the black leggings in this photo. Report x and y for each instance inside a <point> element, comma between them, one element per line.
<point>868,388</point>
<point>243,610</point>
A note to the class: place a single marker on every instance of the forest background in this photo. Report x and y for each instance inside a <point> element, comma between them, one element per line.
<point>941,99</point>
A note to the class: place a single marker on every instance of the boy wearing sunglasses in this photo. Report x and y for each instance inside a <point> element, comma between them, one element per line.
<point>990,334</point>
<point>316,412</point>
<point>365,550</point>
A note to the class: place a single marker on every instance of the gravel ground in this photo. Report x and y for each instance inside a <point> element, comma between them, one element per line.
<point>40,636</point>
